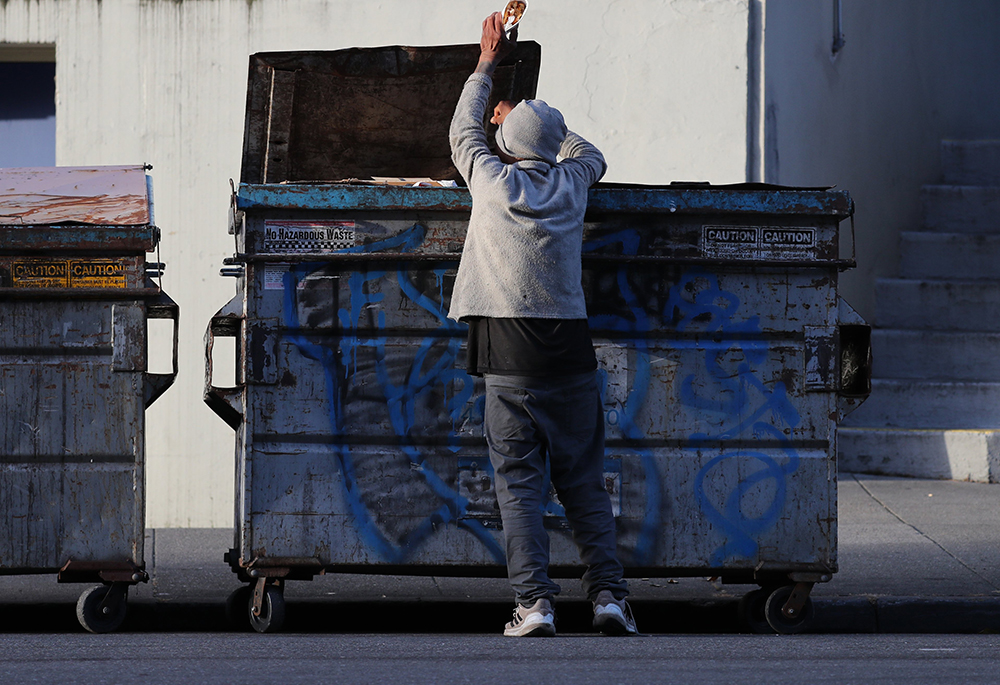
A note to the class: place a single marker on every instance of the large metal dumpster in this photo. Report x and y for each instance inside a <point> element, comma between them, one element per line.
<point>75,295</point>
<point>726,356</point>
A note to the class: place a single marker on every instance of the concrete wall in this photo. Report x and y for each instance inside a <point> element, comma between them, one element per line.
<point>870,120</point>
<point>661,87</point>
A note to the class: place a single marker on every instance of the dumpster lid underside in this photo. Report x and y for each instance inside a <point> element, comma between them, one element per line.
<point>96,196</point>
<point>365,112</point>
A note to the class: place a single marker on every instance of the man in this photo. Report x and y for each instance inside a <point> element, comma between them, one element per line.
<point>519,289</point>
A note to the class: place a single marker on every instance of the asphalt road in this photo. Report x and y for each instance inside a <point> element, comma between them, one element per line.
<point>478,660</point>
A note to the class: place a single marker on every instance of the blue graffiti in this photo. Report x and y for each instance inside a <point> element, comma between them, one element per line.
<point>739,528</point>
<point>727,389</point>
<point>636,324</point>
<point>741,402</point>
<point>400,398</point>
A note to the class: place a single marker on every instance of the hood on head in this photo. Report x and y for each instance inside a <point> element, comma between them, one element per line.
<point>532,130</point>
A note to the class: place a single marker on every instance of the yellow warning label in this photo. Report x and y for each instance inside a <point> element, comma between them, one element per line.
<point>96,274</point>
<point>68,273</point>
<point>40,274</point>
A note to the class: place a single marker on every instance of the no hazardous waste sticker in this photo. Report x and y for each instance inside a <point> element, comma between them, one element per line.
<point>308,236</point>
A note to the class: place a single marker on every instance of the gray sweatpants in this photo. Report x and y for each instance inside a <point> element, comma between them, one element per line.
<point>531,420</point>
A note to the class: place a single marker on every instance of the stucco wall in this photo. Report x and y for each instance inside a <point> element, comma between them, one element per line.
<point>659,86</point>
<point>912,72</point>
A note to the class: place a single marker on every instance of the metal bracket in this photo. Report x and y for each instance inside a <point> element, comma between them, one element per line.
<point>258,593</point>
<point>258,596</point>
<point>117,595</point>
<point>797,600</point>
<point>226,402</point>
<point>102,572</point>
<point>262,355</point>
<point>157,383</point>
<point>821,346</point>
<point>127,331</point>
<point>810,577</point>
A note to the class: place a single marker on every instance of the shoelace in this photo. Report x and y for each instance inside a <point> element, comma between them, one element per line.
<point>628,616</point>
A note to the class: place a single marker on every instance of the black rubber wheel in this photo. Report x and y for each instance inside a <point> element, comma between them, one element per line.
<point>102,608</point>
<point>751,611</point>
<point>236,608</point>
<point>272,611</point>
<point>783,624</point>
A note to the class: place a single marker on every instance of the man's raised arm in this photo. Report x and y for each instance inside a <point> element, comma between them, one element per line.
<point>466,135</point>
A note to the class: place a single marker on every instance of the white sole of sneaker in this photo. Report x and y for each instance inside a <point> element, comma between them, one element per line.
<point>532,628</point>
<point>537,631</point>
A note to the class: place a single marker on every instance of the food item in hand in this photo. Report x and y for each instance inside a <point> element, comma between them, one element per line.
<point>512,14</point>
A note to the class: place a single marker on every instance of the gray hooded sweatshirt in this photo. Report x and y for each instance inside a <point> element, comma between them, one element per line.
<point>522,251</point>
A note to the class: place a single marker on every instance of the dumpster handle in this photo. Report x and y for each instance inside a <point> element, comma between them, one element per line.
<point>854,239</point>
<point>226,402</point>
<point>162,307</point>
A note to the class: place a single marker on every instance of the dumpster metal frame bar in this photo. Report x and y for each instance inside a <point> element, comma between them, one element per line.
<point>630,200</point>
<point>454,257</point>
<point>78,293</point>
<point>25,239</point>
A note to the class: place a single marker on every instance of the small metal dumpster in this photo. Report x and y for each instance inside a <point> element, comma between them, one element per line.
<point>75,294</point>
<point>726,355</point>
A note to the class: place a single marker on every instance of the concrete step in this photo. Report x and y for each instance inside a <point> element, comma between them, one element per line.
<point>971,162</point>
<point>947,255</point>
<point>972,455</point>
<point>929,404</point>
<point>937,305</point>
<point>961,209</point>
<point>935,355</point>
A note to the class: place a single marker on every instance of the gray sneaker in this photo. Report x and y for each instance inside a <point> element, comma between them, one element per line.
<point>613,616</point>
<point>538,620</point>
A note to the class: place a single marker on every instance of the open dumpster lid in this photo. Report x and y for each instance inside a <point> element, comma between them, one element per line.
<point>99,196</point>
<point>365,112</point>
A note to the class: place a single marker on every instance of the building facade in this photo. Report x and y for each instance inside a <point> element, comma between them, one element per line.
<point>797,92</point>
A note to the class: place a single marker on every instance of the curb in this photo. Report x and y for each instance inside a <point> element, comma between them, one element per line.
<point>849,615</point>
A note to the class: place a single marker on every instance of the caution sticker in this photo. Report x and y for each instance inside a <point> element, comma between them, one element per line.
<point>96,274</point>
<point>69,273</point>
<point>40,274</point>
<point>759,242</point>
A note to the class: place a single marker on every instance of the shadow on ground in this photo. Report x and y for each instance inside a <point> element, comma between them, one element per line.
<point>377,617</point>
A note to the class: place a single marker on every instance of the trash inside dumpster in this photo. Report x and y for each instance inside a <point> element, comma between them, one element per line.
<point>75,294</point>
<point>726,355</point>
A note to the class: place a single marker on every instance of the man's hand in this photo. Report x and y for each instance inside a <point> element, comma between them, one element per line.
<point>494,44</point>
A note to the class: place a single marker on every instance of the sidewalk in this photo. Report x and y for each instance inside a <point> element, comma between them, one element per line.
<point>915,556</point>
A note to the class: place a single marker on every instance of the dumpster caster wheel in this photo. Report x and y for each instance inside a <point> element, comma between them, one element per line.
<point>272,611</point>
<point>776,618</point>
<point>236,608</point>
<point>101,609</point>
<point>751,611</point>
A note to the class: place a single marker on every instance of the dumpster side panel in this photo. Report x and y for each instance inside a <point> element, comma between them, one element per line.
<point>71,394</point>
<point>59,513</point>
<point>729,510</point>
<point>361,505</point>
<point>364,434</point>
